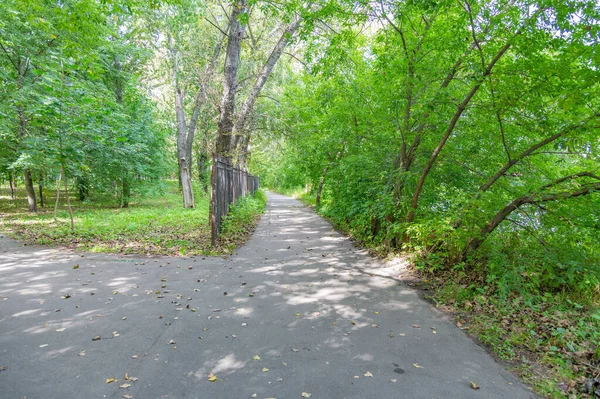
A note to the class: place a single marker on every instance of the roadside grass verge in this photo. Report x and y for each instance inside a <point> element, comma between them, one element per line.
<point>154,225</point>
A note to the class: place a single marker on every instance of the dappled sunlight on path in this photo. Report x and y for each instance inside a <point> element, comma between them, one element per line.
<point>298,309</point>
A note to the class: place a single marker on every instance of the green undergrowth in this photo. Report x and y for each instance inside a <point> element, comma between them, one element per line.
<point>526,304</point>
<point>242,219</point>
<point>156,224</point>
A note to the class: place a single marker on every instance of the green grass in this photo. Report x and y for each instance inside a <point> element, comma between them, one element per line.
<point>154,225</point>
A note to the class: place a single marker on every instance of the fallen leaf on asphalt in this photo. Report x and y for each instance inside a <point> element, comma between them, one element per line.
<point>417,365</point>
<point>393,380</point>
<point>124,386</point>
<point>284,363</point>
<point>256,357</point>
<point>60,329</point>
<point>163,279</point>
<point>115,292</point>
<point>212,377</point>
<point>294,350</point>
<point>297,314</point>
<point>250,295</point>
<point>134,356</point>
<point>473,385</point>
<point>123,318</point>
<point>376,312</point>
<point>96,338</point>
<point>253,395</point>
<point>109,380</point>
<point>67,296</point>
<point>134,379</point>
<point>416,326</point>
<point>82,353</point>
<point>126,376</point>
<point>265,369</point>
<point>368,374</point>
<point>357,377</point>
<point>458,324</point>
<point>127,396</point>
<point>2,368</point>
<point>172,342</point>
<point>43,345</point>
<point>76,266</point>
<point>306,394</point>
<point>115,334</point>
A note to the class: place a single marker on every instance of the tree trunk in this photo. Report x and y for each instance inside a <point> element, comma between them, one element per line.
<point>57,194</point>
<point>31,201</point>
<point>12,186</point>
<point>186,183</point>
<point>320,189</point>
<point>125,192</point>
<point>64,174</point>
<point>41,189</point>
<point>203,171</point>
<point>239,130</point>
<point>82,187</point>
<point>516,204</point>
<point>232,61</point>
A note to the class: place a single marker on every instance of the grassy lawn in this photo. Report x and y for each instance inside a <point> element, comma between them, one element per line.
<point>154,225</point>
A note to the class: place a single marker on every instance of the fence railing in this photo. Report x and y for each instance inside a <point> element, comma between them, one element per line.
<point>230,183</point>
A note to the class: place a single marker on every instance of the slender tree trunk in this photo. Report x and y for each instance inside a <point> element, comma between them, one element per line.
<point>12,186</point>
<point>320,189</point>
<point>202,160</point>
<point>125,191</point>
<point>64,175</point>
<point>57,194</point>
<point>41,188</point>
<point>239,133</point>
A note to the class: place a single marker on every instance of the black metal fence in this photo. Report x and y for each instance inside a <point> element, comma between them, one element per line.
<point>230,183</point>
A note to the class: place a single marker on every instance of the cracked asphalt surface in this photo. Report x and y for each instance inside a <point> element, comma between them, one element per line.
<point>298,310</point>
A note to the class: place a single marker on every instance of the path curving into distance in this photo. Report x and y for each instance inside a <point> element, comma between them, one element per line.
<point>297,311</point>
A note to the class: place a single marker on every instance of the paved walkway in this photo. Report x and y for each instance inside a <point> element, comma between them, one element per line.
<point>296,311</point>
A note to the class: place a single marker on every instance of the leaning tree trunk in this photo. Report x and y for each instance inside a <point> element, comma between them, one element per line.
<point>502,214</point>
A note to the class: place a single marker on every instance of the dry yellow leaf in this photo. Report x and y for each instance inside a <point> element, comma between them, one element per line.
<point>109,380</point>
<point>265,369</point>
<point>124,386</point>
<point>256,357</point>
<point>212,377</point>
<point>368,374</point>
<point>306,394</point>
<point>473,385</point>
<point>417,365</point>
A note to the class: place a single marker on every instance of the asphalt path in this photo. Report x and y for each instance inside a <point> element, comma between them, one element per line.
<point>296,312</point>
